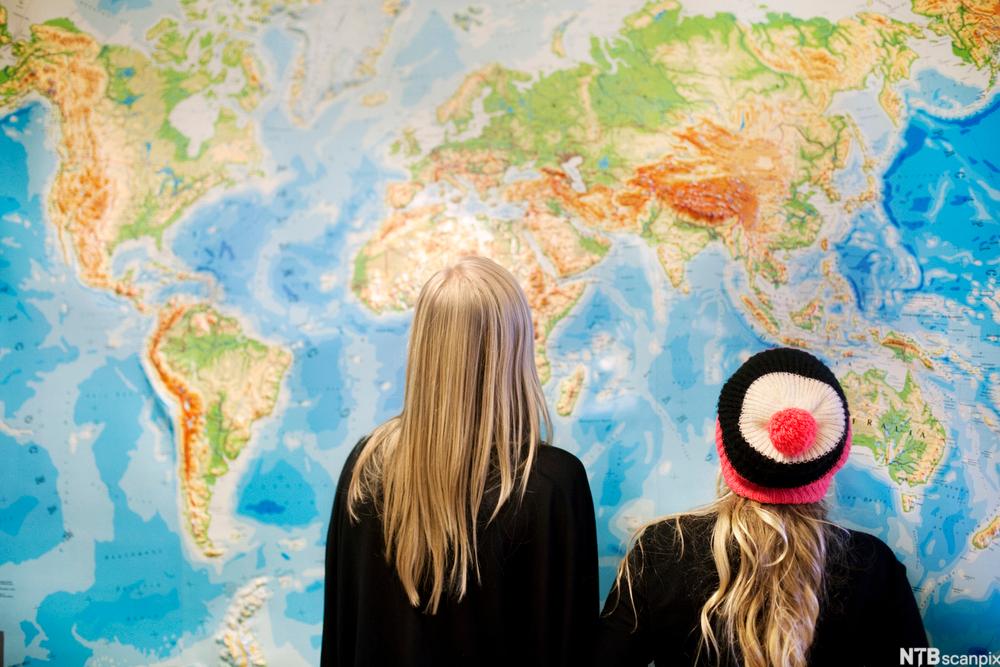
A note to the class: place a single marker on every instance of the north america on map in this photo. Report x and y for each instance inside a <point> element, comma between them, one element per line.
<point>215,219</point>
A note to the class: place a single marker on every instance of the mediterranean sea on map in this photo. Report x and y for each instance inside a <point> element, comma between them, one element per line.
<point>215,219</point>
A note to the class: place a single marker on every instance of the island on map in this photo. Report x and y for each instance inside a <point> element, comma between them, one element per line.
<point>898,426</point>
<point>984,537</point>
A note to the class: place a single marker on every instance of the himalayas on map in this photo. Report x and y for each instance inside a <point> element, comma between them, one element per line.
<point>215,217</point>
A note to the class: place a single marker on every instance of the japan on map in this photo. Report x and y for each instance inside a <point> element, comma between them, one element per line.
<point>215,218</point>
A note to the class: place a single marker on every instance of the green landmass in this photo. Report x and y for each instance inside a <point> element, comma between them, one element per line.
<point>164,178</point>
<point>63,23</point>
<point>360,277</point>
<point>202,347</point>
<point>650,80</point>
<point>195,351</point>
<point>594,246</point>
<point>897,426</point>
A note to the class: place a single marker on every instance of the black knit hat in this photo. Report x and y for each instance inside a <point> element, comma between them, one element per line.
<point>783,427</point>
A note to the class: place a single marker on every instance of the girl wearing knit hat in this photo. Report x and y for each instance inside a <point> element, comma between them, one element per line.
<point>760,577</point>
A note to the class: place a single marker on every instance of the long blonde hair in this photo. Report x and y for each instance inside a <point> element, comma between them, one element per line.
<point>473,411</point>
<point>772,565</point>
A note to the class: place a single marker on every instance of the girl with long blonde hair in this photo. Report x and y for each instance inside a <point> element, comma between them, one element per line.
<point>761,577</point>
<point>458,536</point>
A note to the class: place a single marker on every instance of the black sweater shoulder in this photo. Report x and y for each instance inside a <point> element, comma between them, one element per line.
<point>556,472</point>
<point>535,601</point>
<point>867,613</point>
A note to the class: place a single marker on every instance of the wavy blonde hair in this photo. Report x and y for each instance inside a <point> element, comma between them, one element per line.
<point>473,413</point>
<point>772,565</point>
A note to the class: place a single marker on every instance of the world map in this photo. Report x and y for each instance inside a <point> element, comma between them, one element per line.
<point>215,218</point>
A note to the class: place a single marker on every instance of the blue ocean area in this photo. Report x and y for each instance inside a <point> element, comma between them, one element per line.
<point>116,6</point>
<point>596,315</point>
<point>232,240</point>
<point>621,471</point>
<point>631,432</point>
<point>30,631</point>
<point>941,204</point>
<point>631,283</point>
<point>940,199</point>
<point>319,374</point>
<point>295,275</point>
<point>145,593</point>
<point>307,605</point>
<point>433,55</point>
<point>947,523</point>
<point>27,352</point>
<point>963,626</point>
<point>31,512</point>
<point>706,315</point>
<point>281,47</point>
<point>865,501</point>
<point>229,240</point>
<point>281,490</point>
<point>943,92</point>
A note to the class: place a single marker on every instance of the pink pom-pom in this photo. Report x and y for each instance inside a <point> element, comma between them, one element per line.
<point>792,431</point>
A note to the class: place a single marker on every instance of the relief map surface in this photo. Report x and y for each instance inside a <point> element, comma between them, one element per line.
<point>215,218</point>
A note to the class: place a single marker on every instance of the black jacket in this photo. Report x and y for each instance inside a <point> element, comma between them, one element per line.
<point>869,611</point>
<point>536,603</point>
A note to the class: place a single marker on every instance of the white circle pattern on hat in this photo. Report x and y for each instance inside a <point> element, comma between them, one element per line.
<point>773,392</point>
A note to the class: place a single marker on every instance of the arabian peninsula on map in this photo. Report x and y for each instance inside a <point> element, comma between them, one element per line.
<point>215,218</point>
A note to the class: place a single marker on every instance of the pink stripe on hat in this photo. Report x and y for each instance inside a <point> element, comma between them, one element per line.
<point>810,493</point>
